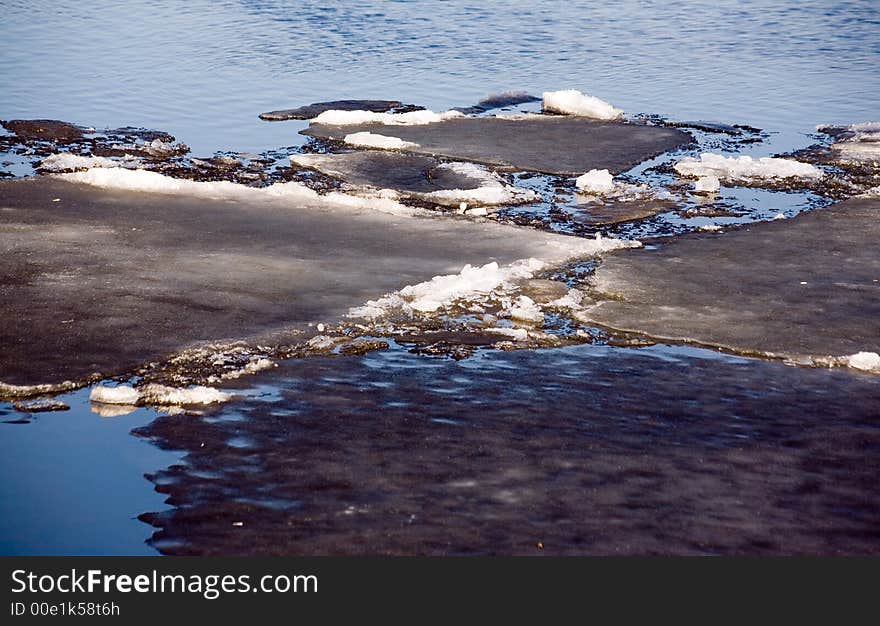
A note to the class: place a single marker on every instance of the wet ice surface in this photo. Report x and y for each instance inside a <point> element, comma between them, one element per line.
<point>597,450</point>
<point>793,288</point>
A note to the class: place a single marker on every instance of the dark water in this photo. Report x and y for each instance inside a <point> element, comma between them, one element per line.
<point>592,449</point>
<point>586,450</point>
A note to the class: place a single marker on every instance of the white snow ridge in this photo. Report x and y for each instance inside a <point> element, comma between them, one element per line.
<point>745,168</point>
<point>336,117</point>
<point>375,140</point>
<point>573,102</point>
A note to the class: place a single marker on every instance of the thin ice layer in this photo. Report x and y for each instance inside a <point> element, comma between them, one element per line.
<point>562,145</point>
<point>796,288</point>
<point>106,279</point>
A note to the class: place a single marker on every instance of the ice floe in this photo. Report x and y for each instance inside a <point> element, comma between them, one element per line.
<point>573,102</point>
<point>410,118</point>
<point>367,139</point>
<point>745,168</point>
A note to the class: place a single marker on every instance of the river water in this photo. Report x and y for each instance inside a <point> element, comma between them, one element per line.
<point>586,449</point>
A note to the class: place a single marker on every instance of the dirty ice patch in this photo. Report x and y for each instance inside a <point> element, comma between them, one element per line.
<point>294,192</point>
<point>374,140</point>
<point>573,102</point>
<point>745,168</point>
<point>411,118</point>
<point>491,191</point>
<point>158,395</point>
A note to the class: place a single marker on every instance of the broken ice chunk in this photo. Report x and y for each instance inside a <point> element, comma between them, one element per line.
<point>573,102</point>
<point>707,184</point>
<point>595,181</point>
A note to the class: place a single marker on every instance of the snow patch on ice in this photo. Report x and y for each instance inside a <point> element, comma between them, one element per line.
<point>294,192</point>
<point>572,300</point>
<point>473,282</point>
<point>524,309</point>
<point>336,117</point>
<point>707,184</point>
<point>517,334</point>
<point>63,161</point>
<point>573,102</point>
<point>745,168</point>
<point>375,140</point>
<point>157,395</point>
<point>865,361</point>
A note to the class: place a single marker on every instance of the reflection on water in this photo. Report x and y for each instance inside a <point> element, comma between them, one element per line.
<point>587,450</point>
<point>73,482</point>
<point>203,70</point>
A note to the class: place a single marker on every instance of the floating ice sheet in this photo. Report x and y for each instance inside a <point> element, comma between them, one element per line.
<point>806,288</point>
<point>105,279</point>
<point>544,143</point>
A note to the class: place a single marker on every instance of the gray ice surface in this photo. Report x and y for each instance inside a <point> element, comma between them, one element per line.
<point>102,281</point>
<point>561,145</point>
<point>797,287</point>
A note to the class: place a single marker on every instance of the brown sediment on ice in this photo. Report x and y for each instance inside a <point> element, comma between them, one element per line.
<point>807,286</point>
<point>543,143</point>
<point>315,109</point>
<point>97,280</point>
<point>44,130</point>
